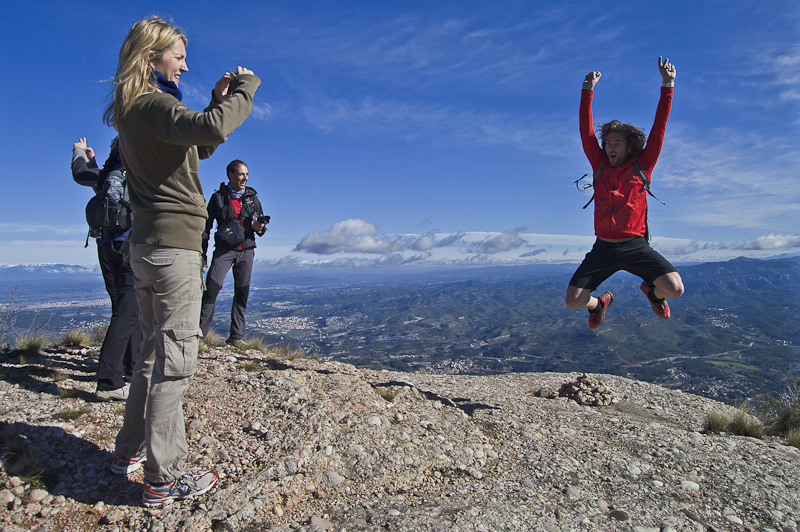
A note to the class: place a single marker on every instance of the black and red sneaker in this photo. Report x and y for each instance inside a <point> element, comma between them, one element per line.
<point>660,306</point>
<point>598,315</point>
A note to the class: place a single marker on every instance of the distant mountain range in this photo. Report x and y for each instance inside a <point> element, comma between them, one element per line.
<point>734,334</point>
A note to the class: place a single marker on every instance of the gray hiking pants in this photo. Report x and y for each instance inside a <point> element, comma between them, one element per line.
<point>221,263</point>
<point>169,288</point>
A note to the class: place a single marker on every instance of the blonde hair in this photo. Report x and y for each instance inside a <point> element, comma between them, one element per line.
<point>147,41</point>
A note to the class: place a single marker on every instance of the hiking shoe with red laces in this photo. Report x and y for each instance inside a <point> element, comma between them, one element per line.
<point>194,482</point>
<point>123,465</point>
<point>596,317</point>
<point>660,306</point>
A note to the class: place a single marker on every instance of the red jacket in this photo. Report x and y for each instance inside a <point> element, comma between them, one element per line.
<point>620,200</point>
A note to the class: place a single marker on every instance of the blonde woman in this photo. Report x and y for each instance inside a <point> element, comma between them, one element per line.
<point>161,141</point>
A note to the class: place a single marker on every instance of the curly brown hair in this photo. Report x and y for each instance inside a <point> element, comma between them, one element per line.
<point>634,136</point>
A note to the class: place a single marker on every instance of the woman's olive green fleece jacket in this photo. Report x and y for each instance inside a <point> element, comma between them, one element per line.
<point>161,143</point>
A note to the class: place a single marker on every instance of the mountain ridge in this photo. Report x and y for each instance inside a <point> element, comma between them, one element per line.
<point>309,445</point>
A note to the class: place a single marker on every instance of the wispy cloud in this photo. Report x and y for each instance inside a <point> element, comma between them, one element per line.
<point>410,120</point>
<point>714,178</point>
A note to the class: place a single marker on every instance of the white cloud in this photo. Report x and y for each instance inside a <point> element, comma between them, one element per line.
<point>262,111</point>
<point>506,241</point>
<point>356,236</point>
<point>772,242</point>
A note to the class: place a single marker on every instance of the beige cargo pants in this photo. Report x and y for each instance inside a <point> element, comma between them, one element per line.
<point>169,289</point>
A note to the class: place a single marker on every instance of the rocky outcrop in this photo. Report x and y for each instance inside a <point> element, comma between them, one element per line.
<point>310,445</point>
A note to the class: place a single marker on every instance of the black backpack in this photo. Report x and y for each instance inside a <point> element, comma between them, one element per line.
<point>645,184</point>
<point>110,208</point>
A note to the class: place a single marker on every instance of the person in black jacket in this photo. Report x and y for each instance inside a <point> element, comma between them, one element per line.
<point>121,344</point>
<point>239,216</point>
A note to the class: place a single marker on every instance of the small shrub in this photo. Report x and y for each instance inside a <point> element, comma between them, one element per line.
<point>387,394</point>
<point>781,414</point>
<point>32,342</point>
<point>213,339</point>
<point>71,414</point>
<point>715,422</point>
<point>743,424</point>
<point>793,438</point>
<point>99,334</point>
<point>790,419</point>
<point>57,377</point>
<point>76,338</point>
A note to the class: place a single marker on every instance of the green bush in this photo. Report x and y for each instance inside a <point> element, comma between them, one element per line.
<point>782,414</point>
<point>789,419</point>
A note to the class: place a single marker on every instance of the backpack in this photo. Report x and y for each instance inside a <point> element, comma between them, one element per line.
<point>110,208</point>
<point>645,183</point>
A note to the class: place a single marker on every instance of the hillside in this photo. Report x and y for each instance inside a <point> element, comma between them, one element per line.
<point>309,445</point>
<point>734,335</point>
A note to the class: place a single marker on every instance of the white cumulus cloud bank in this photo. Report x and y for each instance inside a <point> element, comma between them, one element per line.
<point>359,236</point>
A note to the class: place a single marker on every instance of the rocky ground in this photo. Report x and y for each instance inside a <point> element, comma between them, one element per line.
<point>309,445</point>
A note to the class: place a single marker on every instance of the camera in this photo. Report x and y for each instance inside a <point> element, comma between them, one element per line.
<point>263,219</point>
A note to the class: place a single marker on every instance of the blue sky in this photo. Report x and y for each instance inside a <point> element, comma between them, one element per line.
<point>428,132</point>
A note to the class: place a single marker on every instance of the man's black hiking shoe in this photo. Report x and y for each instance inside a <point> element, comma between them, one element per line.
<point>596,317</point>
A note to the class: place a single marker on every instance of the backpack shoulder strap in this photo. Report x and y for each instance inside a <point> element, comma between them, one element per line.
<point>595,177</point>
<point>645,180</point>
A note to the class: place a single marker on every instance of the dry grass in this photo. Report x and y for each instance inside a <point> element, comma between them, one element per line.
<point>69,393</point>
<point>287,353</point>
<point>742,424</point>
<point>20,457</point>
<point>99,334</point>
<point>213,339</point>
<point>71,414</point>
<point>32,342</point>
<point>255,343</point>
<point>715,422</point>
<point>76,338</point>
<point>793,438</point>
<point>252,367</point>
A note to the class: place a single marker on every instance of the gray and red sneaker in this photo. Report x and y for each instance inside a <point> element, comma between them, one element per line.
<point>660,306</point>
<point>596,317</point>
<point>123,465</point>
<point>194,482</point>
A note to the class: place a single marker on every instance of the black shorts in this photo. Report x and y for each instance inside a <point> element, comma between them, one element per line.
<point>606,258</point>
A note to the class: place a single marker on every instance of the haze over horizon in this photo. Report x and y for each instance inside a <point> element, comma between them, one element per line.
<point>415,133</point>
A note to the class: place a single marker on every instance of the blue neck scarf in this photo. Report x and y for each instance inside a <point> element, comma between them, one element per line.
<point>167,86</point>
<point>233,193</point>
